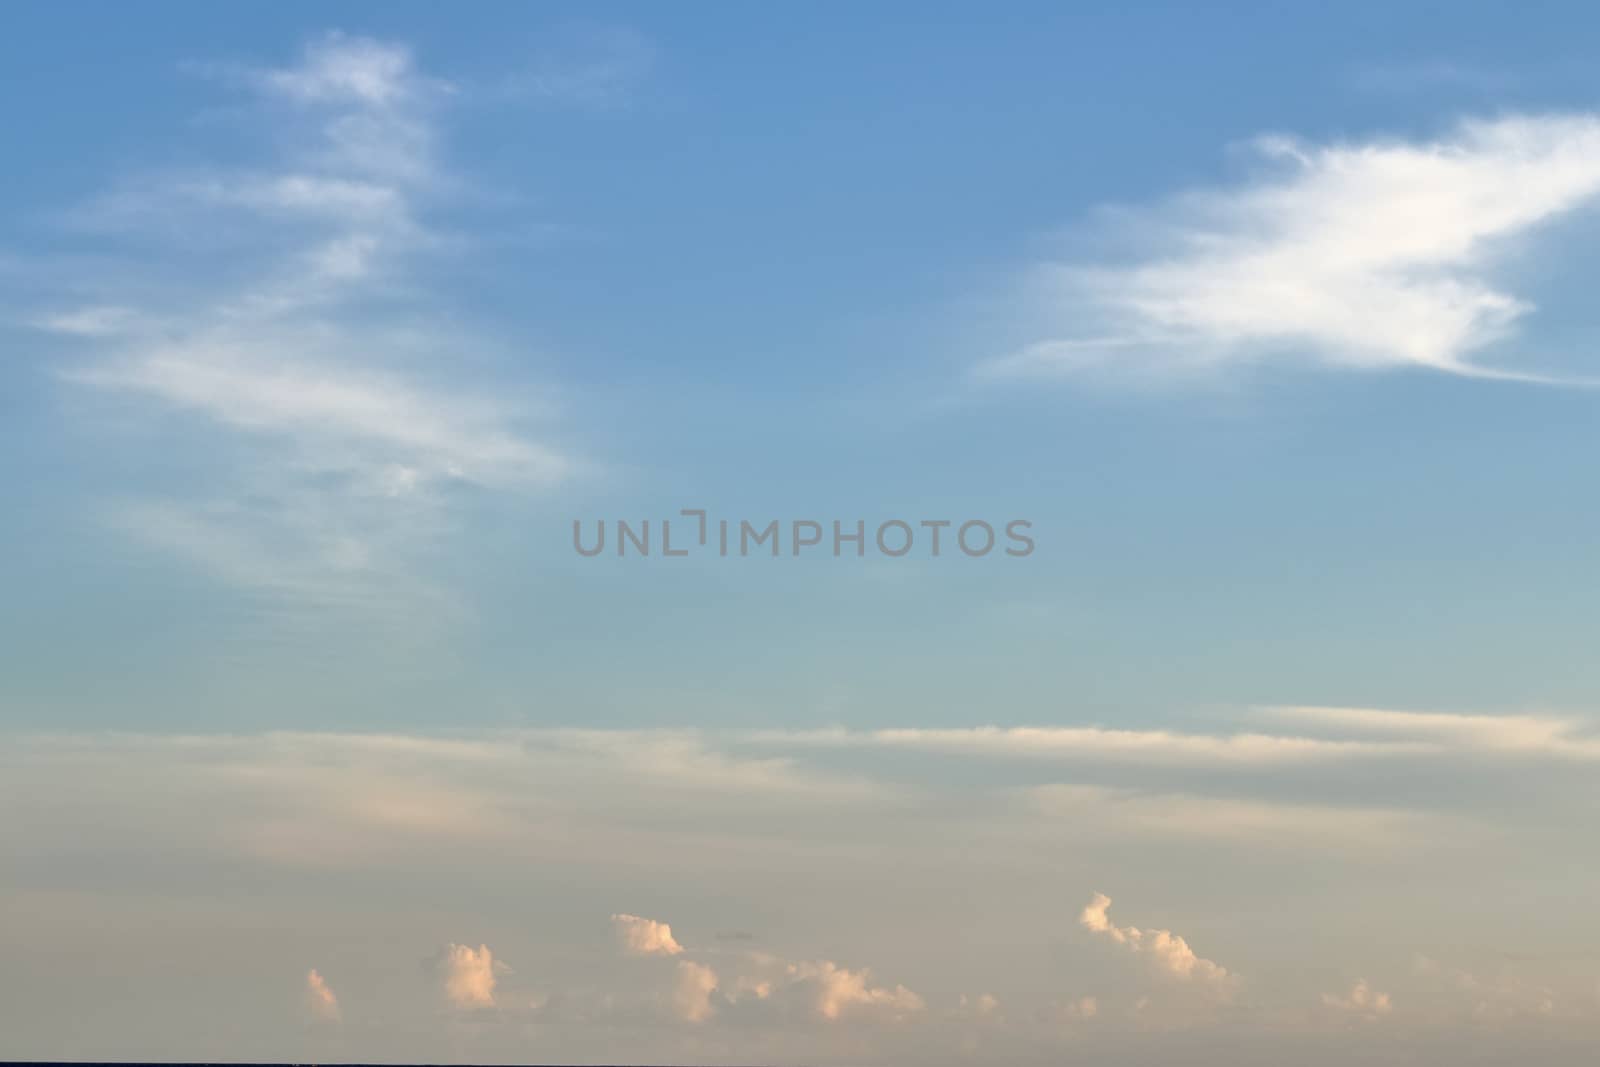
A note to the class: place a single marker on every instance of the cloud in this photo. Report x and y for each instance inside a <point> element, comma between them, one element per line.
<point>382,824</point>
<point>341,68</point>
<point>755,986</point>
<point>835,992</point>
<point>1114,814</point>
<point>644,937</point>
<point>1100,743</point>
<point>1546,735</point>
<point>321,1004</point>
<point>342,417</point>
<point>1362,1001</point>
<point>283,325</point>
<point>692,993</point>
<point>1169,953</point>
<point>1364,255</point>
<point>817,988</point>
<point>94,320</point>
<point>466,976</point>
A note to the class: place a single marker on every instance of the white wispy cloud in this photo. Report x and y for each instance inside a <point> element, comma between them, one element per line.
<point>1144,745</point>
<point>1533,734</point>
<point>337,416</point>
<point>341,68</point>
<point>303,350</point>
<point>1364,254</point>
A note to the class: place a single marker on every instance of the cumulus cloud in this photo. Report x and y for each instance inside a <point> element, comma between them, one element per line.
<point>691,998</point>
<point>644,937</point>
<point>1361,1000</point>
<point>1370,254</point>
<point>362,811</point>
<point>466,976</point>
<point>321,1003</point>
<point>835,992</point>
<point>819,989</point>
<point>1169,953</point>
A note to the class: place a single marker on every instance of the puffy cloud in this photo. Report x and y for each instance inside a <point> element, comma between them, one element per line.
<point>321,1003</point>
<point>1362,1000</point>
<point>466,975</point>
<point>644,937</point>
<point>1366,255</point>
<point>819,988</point>
<point>1170,954</point>
<point>691,996</point>
<point>835,991</point>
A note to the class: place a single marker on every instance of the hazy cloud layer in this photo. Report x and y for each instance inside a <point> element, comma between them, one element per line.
<point>892,908</point>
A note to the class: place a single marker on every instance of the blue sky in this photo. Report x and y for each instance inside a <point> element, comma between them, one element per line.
<point>771,300</point>
<point>322,324</point>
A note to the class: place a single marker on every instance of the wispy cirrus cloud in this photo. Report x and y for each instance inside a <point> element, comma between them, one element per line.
<point>299,345</point>
<point>1369,255</point>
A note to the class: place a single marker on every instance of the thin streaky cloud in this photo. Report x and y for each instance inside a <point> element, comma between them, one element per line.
<point>1532,733</point>
<point>338,443</point>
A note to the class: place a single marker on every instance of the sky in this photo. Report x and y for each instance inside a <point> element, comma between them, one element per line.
<point>1259,342</point>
